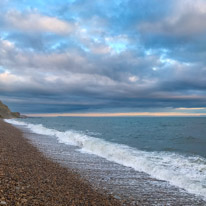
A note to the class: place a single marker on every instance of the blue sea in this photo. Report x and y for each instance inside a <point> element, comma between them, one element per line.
<point>169,149</point>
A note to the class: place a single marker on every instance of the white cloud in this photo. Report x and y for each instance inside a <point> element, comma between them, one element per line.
<point>5,45</point>
<point>35,22</point>
<point>101,49</point>
<point>133,78</point>
<point>11,82</point>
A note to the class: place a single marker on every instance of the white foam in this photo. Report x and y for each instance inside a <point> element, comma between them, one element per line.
<point>185,172</point>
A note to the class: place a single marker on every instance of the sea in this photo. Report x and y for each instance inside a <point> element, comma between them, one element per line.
<point>148,160</point>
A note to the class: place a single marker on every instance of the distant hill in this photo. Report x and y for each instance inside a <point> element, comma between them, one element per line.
<point>6,113</point>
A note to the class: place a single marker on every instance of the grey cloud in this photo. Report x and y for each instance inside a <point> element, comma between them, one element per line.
<point>181,32</point>
<point>186,19</point>
<point>43,65</point>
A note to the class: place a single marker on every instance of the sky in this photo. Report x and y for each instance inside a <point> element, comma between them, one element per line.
<point>103,56</point>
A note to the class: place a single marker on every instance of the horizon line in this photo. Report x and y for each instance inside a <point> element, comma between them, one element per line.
<point>155,114</point>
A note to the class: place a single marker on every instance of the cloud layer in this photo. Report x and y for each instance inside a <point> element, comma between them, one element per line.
<point>121,55</point>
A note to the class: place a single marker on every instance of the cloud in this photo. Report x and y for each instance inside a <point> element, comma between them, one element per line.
<point>187,19</point>
<point>183,108</point>
<point>84,55</point>
<point>181,32</point>
<point>118,78</point>
<point>33,22</point>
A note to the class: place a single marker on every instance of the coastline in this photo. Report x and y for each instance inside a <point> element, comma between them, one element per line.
<point>27,177</point>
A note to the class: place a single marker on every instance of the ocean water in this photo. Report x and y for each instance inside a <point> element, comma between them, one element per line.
<point>172,149</point>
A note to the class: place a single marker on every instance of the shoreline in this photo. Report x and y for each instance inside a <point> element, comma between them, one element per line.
<point>84,171</point>
<point>27,177</point>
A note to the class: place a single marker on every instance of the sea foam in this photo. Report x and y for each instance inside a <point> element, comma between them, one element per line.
<point>187,172</point>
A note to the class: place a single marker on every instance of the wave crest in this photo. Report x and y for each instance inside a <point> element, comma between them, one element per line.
<point>187,172</point>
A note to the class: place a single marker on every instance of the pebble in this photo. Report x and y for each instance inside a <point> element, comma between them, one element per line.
<point>32,179</point>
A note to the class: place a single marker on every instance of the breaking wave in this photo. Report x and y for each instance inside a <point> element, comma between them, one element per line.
<point>187,172</point>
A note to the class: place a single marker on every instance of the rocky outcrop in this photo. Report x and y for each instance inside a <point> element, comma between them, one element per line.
<point>6,113</point>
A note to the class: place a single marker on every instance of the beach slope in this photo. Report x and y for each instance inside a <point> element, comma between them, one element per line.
<point>29,178</point>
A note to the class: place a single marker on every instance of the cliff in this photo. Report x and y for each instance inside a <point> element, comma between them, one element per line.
<point>6,113</point>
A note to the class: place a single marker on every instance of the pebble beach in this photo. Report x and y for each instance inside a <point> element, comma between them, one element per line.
<point>27,177</point>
